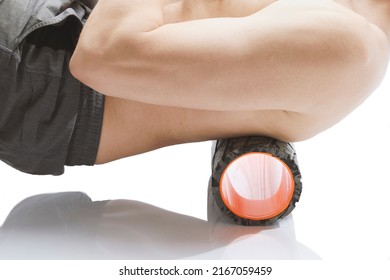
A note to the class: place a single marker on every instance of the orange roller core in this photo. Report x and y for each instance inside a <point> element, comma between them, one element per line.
<point>257,186</point>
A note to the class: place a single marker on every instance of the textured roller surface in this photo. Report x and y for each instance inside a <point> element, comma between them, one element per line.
<point>227,150</point>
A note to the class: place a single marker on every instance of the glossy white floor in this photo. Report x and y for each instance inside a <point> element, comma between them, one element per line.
<point>154,206</point>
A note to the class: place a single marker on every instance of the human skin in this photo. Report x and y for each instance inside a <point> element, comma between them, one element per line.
<point>183,71</point>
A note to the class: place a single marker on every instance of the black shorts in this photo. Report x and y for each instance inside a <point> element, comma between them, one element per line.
<point>84,143</point>
<point>48,119</point>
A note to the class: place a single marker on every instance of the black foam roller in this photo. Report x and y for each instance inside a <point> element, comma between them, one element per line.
<point>228,150</point>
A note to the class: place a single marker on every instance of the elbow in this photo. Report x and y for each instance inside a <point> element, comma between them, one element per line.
<point>82,65</point>
<point>99,64</point>
<point>90,65</point>
<point>76,66</point>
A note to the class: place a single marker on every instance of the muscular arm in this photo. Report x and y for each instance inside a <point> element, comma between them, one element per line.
<point>185,10</point>
<point>224,62</point>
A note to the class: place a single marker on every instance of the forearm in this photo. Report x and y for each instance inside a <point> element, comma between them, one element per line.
<point>186,10</point>
<point>150,14</point>
<point>110,23</point>
<point>115,27</point>
<point>134,15</point>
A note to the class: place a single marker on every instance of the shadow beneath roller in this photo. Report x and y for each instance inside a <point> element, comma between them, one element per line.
<point>72,226</point>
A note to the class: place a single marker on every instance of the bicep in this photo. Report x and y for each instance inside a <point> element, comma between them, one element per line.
<point>229,63</point>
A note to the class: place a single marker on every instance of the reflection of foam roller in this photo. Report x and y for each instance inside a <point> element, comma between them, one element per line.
<point>255,180</point>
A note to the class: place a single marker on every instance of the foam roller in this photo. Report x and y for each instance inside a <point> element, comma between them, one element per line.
<point>255,180</point>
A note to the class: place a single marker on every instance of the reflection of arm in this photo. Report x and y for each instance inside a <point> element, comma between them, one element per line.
<point>126,50</point>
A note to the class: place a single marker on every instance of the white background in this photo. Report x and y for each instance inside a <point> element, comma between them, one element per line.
<point>343,212</point>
